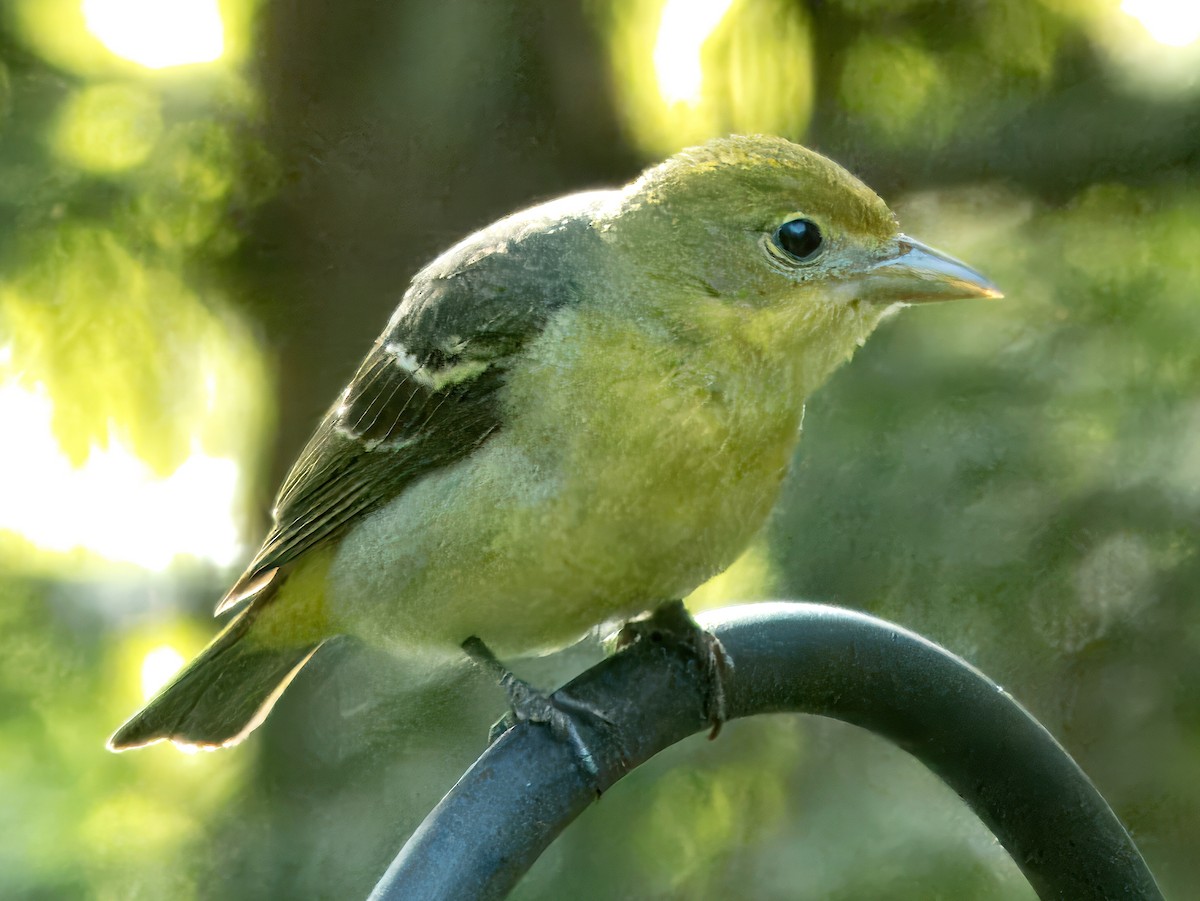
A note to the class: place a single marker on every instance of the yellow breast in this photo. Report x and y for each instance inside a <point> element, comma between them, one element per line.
<point>631,468</point>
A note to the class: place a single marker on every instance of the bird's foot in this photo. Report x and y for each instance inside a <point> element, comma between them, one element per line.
<point>670,622</point>
<point>529,705</point>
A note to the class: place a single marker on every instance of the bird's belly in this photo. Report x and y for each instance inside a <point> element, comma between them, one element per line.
<point>530,556</point>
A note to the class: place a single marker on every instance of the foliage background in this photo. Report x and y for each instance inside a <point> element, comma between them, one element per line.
<point>194,258</point>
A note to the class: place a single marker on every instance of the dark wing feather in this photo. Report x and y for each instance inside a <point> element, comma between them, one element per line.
<point>389,427</point>
<point>428,392</point>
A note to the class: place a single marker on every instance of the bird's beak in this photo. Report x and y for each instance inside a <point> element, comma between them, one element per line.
<point>919,274</point>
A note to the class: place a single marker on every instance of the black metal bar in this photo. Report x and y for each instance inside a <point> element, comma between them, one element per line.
<point>525,789</point>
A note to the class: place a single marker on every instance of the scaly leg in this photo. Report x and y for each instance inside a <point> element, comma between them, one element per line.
<point>528,705</point>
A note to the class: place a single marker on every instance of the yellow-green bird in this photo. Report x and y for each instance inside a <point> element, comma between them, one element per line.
<point>575,414</point>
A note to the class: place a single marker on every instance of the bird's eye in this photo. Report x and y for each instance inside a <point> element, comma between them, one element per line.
<point>800,239</point>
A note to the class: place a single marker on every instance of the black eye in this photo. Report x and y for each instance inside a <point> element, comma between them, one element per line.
<point>799,238</point>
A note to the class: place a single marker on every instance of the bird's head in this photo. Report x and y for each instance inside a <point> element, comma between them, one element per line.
<point>766,233</point>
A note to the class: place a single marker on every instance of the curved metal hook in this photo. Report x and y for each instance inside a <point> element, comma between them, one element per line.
<point>807,658</point>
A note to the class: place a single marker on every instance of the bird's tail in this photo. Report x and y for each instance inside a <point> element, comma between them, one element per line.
<point>221,696</point>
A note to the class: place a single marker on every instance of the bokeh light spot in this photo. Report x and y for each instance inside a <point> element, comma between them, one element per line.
<point>1170,22</point>
<point>113,505</point>
<point>689,71</point>
<point>1152,45</point>
<point>158,33</point>
<point>108,128</point>
<point>685,26</point>
<point>158,666</point>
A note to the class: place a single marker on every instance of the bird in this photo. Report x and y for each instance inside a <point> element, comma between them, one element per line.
<point>576,414</point>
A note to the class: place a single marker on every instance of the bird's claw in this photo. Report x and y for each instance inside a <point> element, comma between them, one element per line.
<point>559,711</point>
<point>671,622</point>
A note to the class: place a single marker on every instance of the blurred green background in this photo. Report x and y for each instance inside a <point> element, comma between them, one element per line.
<point>209,207</point>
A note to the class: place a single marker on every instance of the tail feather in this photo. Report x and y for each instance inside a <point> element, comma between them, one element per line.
<point>221,696</point>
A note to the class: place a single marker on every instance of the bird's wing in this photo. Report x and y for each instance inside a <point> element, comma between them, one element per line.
<point>424,397</point>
